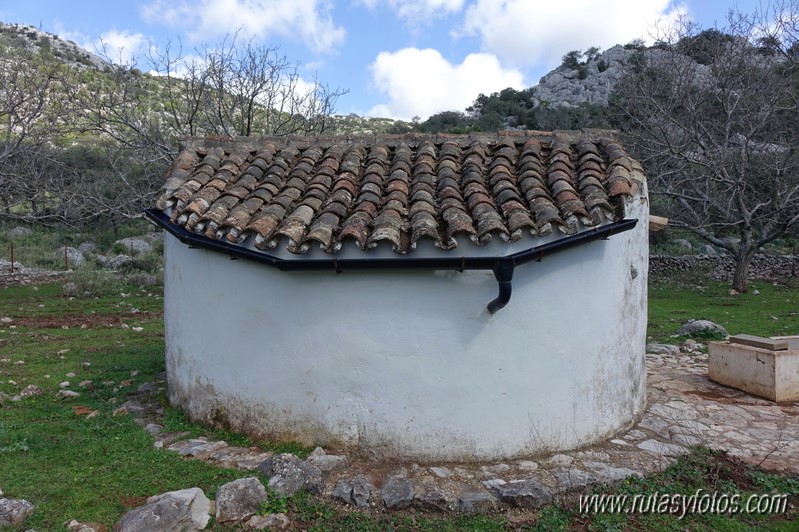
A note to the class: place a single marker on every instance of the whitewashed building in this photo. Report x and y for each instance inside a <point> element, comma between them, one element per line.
<point>416,297</point>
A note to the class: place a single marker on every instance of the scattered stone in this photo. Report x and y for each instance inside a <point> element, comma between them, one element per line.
<point>30,390</point>
<point>701,326</point>
<point>74,525</point>
<point>690,346</point>
<point>610,472</point>
<point>496,469</point>
<point>326,462</point>
<point>521,493</point>
<point>269,522</point>
<point>121,411</point>
<point>70,289</point>
<point>662,349</point>
<point>397,493</point>
<point>474,501</point>
<point>356,490</point>
<point>239,499</point>
<point>20,232</point>
<point>684,245</point>
<point>635,435</point>
<point>574,479</point>
<point>560,460</point>
<point>87,248</point>
<point>68,394</point>
<point>167,438</point>
<point>119,261</point>
<point>433,499</point>
<point>85,384</point>
<point>441,472</point>
<point>198,448</point>
<point>186,510</point>
<point>528,465</point>
<point>153,428</point>
<point>74,257</point>
<point>71,374</point>
<point>288,474</point>
<point>134,245</point>
<point>661,448</point>
<point>707,249</point>
<point>14,512</point>
<point>64,384</point>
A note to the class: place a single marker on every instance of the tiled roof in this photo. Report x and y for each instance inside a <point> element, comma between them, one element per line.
<point>302,191</point>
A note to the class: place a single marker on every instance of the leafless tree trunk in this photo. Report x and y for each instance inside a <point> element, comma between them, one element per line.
<point>712,115</point>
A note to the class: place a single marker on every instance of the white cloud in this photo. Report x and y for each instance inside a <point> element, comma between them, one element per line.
<point>422,82</point>
<point>121,46</point>
<point>308,20</point>
<point>529,32</point>
<point>418,11</point>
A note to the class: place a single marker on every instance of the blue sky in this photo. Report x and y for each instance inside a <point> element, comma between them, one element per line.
<point>398,58</point>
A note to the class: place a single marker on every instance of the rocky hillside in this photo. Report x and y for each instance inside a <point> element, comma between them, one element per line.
<point>32,38</point>
<point>588,81</point>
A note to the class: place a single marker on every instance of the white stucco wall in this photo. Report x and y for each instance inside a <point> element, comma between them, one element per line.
<point>410,364</point>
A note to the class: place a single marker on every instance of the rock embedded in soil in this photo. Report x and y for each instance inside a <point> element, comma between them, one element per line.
<point>397,493</point>
<point>476,501</point>
<point>14,512</point>
<point>187,510</point>
<point>239,499</point>
<point>702,326</point>
<point>288,474</point>
<point>356,490</point>
<point>521,493</point>
<point>30,390</point>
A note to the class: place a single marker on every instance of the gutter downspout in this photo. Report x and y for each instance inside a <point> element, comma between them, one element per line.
<point>503,272</point>
<point>502,267</point>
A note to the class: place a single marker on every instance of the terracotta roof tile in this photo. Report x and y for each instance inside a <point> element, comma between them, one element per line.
<point>297,192</point>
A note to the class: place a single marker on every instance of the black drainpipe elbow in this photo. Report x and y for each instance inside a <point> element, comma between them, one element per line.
<point>503,272</point>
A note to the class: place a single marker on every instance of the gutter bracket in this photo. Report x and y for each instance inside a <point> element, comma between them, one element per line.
<point>503,272</point>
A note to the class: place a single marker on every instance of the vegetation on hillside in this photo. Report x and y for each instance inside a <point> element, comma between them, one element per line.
<point>710,113</point>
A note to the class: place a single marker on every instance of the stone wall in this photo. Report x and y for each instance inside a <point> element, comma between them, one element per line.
<point>722,267</point>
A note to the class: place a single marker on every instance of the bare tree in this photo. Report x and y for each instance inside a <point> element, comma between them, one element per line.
<point>234,88</point>
<point>36,111</point>
<point>713,118</point>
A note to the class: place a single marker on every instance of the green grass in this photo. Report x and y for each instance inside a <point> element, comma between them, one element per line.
<point>95,469</point>
<point>672,302</point>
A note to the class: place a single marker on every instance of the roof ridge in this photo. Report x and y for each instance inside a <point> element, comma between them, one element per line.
<point>392,139</point>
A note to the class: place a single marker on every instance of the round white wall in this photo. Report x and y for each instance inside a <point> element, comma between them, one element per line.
<point>409,364</point>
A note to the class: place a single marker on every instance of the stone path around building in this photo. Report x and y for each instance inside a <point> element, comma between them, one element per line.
<point>684,408</point>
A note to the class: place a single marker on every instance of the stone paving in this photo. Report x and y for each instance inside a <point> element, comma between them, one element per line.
<point>684,408</point>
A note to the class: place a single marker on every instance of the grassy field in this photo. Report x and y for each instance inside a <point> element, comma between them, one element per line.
<point>94,468</point>
<point>772,311</point>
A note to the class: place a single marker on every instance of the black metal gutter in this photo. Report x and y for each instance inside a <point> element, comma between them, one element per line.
<point>501,266</point>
